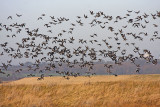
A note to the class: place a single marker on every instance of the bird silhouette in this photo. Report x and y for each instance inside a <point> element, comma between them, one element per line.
<point>65,48</point>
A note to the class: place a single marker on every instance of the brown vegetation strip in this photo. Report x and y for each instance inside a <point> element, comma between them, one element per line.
<point>104,91</point>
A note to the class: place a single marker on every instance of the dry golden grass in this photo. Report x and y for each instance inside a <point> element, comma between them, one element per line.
<point>97,91</point>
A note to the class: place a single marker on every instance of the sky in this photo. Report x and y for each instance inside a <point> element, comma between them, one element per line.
<point>74,7</point>
<point>32,9</point>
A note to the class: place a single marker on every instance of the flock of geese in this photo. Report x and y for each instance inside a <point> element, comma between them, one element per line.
<point>55,50</point>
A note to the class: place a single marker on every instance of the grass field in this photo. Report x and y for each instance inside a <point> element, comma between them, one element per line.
<point>97,91</point>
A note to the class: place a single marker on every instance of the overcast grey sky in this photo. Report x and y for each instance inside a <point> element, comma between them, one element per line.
<point>32,9</point>
<point>74,7</point>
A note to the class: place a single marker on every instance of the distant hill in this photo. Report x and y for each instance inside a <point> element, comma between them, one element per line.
<point>98,68</point>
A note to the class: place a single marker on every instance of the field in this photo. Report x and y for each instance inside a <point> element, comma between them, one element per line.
<point>96,91</point>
